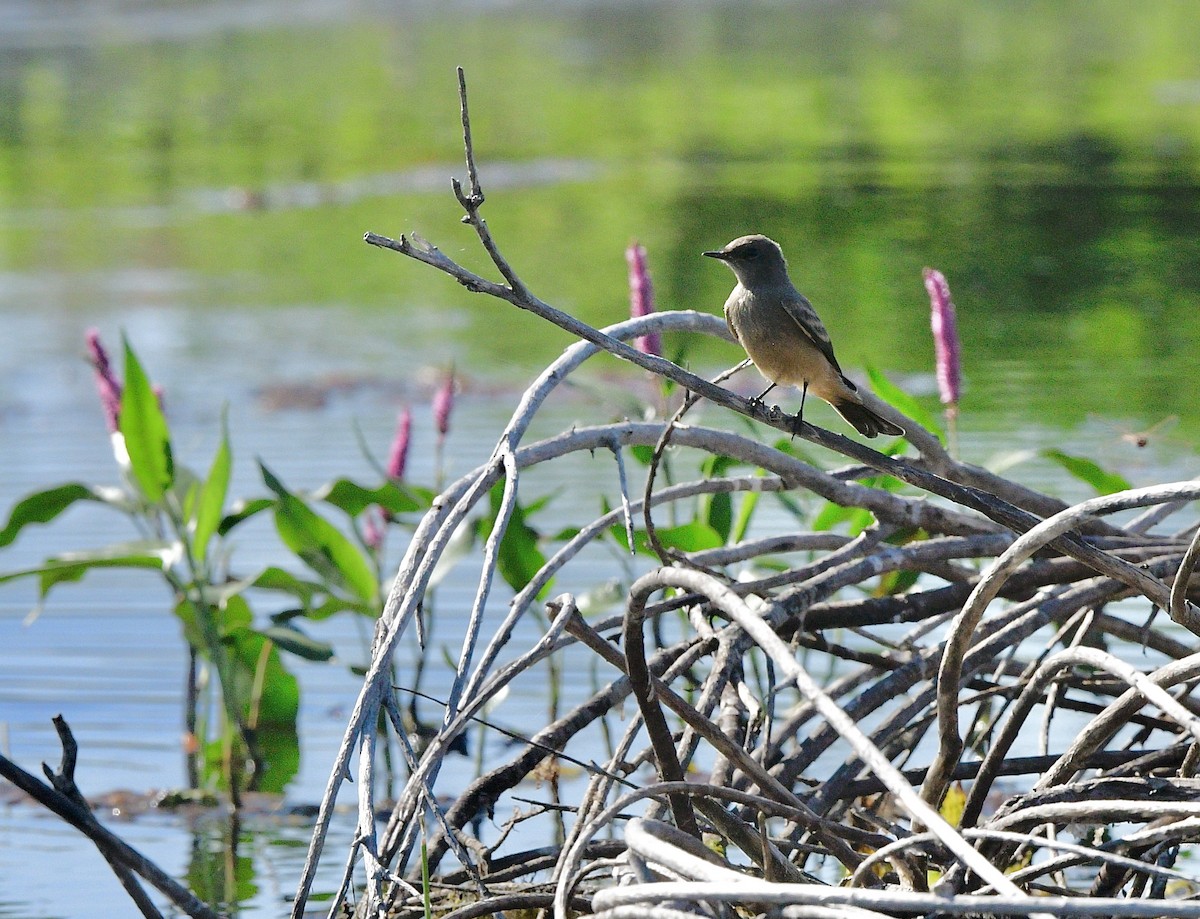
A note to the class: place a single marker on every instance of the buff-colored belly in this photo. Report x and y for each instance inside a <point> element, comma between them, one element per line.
<point>781,352</point>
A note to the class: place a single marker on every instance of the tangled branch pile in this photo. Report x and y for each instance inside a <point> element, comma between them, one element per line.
<point>960,621</point>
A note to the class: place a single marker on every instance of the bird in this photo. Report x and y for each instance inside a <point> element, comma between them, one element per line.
<point>783,335</point>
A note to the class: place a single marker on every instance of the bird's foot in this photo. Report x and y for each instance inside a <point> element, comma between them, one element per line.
<point>797,424</point>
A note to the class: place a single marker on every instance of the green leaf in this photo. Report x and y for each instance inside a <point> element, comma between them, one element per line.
<point>832,515</point>
<point>144,427</point>
<point>745,515</point>
<point>719,514</point>
<point>643,453</point>
<point>44,506</point>
<point>717,509</point>
<point>211,500</point>
<point>318,543</point>
<point>72,566</point>
<point>234,615</point>
<point>296,642</point>
<point>689,537</point>
<point>265,689</point>
<point>1086,470</point>
<point>519,557</point>
<point>270,698</point>
<point>243,511</point>
<point>899,399</point>
<point>280,748</point>
<point>353,498</point>
<point>274,578</point>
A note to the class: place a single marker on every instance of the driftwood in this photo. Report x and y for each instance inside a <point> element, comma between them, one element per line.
<point>63,797</point>
<point>1000,571</point>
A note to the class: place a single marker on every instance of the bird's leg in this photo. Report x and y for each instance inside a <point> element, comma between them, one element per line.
<point>799,422</point>
<point>762,395</point>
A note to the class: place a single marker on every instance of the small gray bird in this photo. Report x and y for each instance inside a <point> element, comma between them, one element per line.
<point>784,336</point>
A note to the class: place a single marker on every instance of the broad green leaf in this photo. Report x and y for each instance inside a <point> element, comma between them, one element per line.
<point>274,578</point>
<point>296,642</point>
<point>266,691</point>
<point>719,514</point>
<point>186,613</point>
<point>1086,470</point>
<point>354,498</point>
<point>211,499</point>
<point>519,557</point>
<point>44,506</point>
<point>144,428</point>
<point>280,748</point>
<point>897,582</point>
<point>717,509</point>
<point>856,519</point>
<point>891,393</point>
<point>643,453</point>
<point>269,697</point>
<point>689,537</point>
<point>318,543</point>
<point>234,615</point>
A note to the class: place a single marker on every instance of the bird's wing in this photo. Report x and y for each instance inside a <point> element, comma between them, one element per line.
<point>806,317</point>
<point>729,323</point>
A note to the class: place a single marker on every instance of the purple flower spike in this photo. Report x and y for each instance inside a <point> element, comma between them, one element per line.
<point>443,404</point>
<point>641,297</point>
<point>398,455</point>
<point>107,384</point>
<point>945,337</point>
<point>373,529</point>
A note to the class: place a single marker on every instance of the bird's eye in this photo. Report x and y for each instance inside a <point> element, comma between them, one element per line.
<point>750,254</point>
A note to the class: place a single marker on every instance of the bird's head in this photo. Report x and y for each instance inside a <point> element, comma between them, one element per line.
<point>755,259</point>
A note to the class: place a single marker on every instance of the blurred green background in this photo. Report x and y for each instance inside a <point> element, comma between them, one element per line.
<point>1043,155</point>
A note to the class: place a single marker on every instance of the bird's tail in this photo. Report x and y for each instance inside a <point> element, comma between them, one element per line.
<point>867,422</point>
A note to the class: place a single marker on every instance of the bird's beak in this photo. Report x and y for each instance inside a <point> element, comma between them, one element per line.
<point>721,254</point>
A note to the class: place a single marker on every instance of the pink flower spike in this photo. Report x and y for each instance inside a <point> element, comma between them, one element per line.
<point>373,530</point>
<point>945,337</point>
<point>641,297</point>
<point>107,384</point>
<point>443,404</point>
<point>398,455</point>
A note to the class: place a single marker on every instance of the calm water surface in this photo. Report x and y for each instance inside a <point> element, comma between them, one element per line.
<point>201,180</point>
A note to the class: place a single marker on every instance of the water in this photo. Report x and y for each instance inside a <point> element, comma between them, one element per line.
<point>200,179</point>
